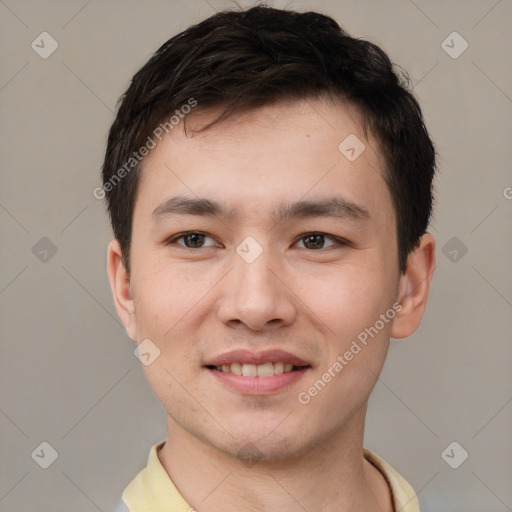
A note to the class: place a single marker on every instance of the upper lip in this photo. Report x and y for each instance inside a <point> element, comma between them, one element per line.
<point>266,356</point>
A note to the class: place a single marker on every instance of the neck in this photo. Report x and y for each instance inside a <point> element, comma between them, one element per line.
<point>331,476</point>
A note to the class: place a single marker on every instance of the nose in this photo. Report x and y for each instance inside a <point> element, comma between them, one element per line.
<point>256,295</point>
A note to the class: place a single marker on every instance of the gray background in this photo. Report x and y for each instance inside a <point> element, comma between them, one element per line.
<point>68,373</point>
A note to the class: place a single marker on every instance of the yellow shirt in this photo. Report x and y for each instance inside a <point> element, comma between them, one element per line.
<point>153,491</point>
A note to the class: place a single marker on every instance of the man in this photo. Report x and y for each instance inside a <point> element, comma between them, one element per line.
<point>269,182</point>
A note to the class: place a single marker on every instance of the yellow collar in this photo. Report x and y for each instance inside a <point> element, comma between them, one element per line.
<point>153,491</point>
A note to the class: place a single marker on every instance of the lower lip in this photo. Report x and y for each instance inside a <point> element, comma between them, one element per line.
<point>258,385</point>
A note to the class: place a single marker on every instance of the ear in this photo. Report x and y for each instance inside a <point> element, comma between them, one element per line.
<point>414,287</point>
<point>121,289</point>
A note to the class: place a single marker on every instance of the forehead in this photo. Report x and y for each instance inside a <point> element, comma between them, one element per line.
<point>257,159</point>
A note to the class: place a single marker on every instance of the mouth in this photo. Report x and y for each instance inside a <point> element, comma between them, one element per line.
<point>263,373</point>
<point>268,369</point>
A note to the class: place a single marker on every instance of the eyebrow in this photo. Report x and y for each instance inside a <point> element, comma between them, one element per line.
<point>335,206</point>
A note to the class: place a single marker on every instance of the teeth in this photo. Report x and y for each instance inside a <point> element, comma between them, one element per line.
<point>236,368</point>
<point>249,370</point>
<point>265,370</point>
<point>256,370</point>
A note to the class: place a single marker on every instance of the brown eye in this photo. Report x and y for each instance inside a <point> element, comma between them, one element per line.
<point>315,241</point>
<point>191,240</point>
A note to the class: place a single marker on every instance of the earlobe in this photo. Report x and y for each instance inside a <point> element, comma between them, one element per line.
<point>120,286</point>
<point>414,288</point>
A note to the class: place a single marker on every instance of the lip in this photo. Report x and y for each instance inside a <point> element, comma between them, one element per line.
<point>265,356</point>
<point>258,385</point>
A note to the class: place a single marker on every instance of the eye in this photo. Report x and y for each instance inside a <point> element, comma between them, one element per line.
<point>191,240</point>
<point>316,241</point>
<point>196,240</point>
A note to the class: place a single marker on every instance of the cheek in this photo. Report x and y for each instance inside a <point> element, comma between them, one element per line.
<point>347,300</point>
<point>349,305</point>
<point>165,296</point>
<point>356,343</point>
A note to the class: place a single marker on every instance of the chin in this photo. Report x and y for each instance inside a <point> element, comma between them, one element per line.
<point>266,443</point>
<point>265,450</point>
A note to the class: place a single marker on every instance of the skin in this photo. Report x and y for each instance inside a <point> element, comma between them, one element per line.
<point>306,296</point>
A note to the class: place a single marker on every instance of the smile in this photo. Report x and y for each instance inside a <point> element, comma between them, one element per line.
<point>256,370</point>
<point>257,380</point>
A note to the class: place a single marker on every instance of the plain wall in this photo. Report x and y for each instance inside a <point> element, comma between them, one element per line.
<point>67,369</point>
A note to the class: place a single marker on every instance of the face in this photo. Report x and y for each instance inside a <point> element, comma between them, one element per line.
<point>279,249</point>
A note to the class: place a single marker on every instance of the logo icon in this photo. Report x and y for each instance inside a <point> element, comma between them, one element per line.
<point>250,454</point>
<point>249,250</point>
<point>454,45</point>
<point>454,249</point>
<point>44,250</point>
<point>351,147</point>
<point>45,455</point>
<point>146,352</point>
<point>454,455</point>
<point>44,45</point>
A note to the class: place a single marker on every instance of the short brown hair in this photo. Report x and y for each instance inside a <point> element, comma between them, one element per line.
<point>241,60</point>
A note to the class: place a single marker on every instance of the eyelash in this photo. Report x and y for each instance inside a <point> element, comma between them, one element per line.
<point>337,240</point>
